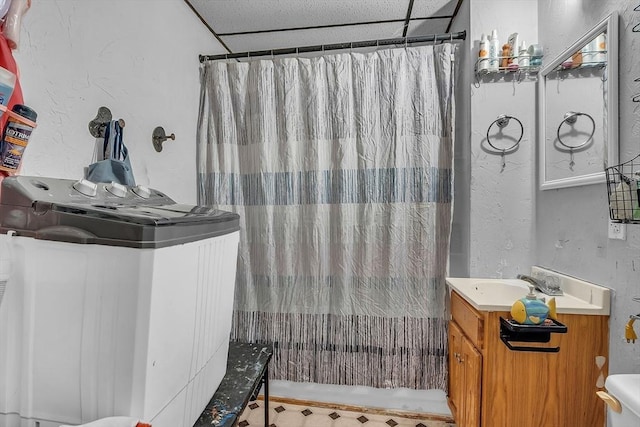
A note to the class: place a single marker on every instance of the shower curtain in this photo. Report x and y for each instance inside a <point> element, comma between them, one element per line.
<point>340,167</point>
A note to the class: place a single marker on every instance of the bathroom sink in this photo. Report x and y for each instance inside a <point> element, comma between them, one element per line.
<point>512,289</point>
<point>492,294</point>
<point>580,297</point>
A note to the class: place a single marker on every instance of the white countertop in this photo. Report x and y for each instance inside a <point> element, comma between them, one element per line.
<point>579,297</point>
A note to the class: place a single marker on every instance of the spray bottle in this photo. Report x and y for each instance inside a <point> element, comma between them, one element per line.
<point>494,51</point>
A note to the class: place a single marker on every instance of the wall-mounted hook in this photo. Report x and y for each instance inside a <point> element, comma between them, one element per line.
<point>99,124</point>
<point>159,136</point>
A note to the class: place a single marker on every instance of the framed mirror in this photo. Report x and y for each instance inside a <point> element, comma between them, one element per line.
<point>578,110</point>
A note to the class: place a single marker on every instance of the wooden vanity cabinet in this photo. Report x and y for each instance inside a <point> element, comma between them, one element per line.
<point>492,386</point>
<point>465,373</point>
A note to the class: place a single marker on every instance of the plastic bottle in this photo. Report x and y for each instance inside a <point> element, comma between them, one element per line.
<point>514,44</point>
<point>7,83</point>
<point>4,7</point>
<point>523,56</point>
<point>600,48</point>
<point>576,58</point>
<point>504,56</point>
<point>483,55</point>
<point>588,56</point>
<point>494,51</point>
<point>16,137</point>
<point>13,19</point>
<point>535,55</point>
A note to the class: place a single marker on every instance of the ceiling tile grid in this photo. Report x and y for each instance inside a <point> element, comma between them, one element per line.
<point>312,37</point>
<point>249,25</point>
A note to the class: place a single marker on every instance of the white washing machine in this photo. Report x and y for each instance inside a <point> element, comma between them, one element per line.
<point>118,303</point>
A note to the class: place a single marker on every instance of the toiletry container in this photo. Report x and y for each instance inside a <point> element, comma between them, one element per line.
<point>505,56</point>
<point>16,137</point>
<point>623,400</point>
<point>7,82</point>
<point>535,55</point>
<point>576,58</point>
<point>523,56</point>
<point>600,49</point>
<point>514,44</point>
<point>588,54</point>
<point>483,54</point>
<point>494,51</point>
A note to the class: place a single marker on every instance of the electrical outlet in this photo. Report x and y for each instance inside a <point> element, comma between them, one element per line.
<point>617,230</point>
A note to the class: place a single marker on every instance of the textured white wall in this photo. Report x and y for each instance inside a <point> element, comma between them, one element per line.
<point>502,201</point>
<point>137,57</point>
<point>459,252</point>
<point>571,223</point>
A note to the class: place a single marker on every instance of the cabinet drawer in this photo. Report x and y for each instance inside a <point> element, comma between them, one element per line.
<point>468,318</point>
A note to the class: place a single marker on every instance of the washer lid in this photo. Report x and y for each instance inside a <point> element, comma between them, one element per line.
<point>54,209</point>
<point>154,215</point>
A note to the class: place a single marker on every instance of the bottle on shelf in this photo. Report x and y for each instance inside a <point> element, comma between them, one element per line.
<point>523,56</point>
<point>535,55</point>
<point>576,58</point>
<point>587,51</point>
<point>494,51</point>
<point>600,55</point>
<point>483,55</point>
<point>504,57</point>
<point>514,44</point>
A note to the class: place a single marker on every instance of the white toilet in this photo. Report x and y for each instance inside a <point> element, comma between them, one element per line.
<point>623,400</point>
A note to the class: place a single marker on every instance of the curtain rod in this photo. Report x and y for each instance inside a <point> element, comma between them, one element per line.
<point>462,35</point>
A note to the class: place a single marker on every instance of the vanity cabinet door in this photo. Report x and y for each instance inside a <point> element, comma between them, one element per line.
<point>456,371</point>
<point>465,376</point>
<point>472,367</point>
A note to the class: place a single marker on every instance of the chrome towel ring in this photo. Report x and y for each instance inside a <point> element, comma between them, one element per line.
<point>571,117</point>
<point>503,121</point>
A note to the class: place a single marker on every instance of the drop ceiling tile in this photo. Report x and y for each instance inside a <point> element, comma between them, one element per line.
<point>427,26</point>
<point>424,8</point>
<point>232,16</point>
<point>297,38</point>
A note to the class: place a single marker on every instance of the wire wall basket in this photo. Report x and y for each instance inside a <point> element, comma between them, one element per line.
<point>623,187</point>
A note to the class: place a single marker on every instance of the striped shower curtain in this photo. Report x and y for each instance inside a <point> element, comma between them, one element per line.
<point>340,167</point>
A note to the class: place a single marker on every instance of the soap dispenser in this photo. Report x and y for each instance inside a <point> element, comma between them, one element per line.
<point>532,311</point>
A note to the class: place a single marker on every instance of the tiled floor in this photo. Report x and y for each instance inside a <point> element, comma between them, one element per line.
<point>289,415</point>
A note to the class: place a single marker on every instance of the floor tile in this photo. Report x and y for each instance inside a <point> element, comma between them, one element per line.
<point>291,415</point>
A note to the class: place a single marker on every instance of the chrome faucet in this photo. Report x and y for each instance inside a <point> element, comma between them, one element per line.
<point>547,287</point>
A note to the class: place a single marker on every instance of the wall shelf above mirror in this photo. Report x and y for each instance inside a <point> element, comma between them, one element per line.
<point>578,110</point>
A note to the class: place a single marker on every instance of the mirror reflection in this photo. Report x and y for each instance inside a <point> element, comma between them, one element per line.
<point>575,116</point>
<point>578,110</point>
